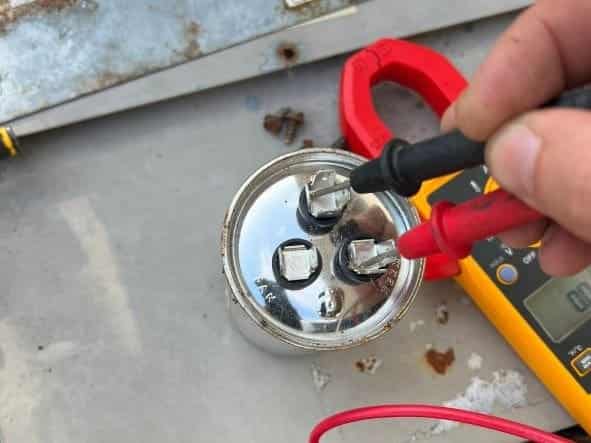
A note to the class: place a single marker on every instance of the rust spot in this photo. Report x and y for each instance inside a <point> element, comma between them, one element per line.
<point>193,29</point>
<point>10,15</point>
<point>440,361</point>
<point>293,122</point>
<point>273,123</point>
<point>284,118</point>
<point>109,78</point>
<point>288,52</point>
<point>386,282</point>
<point>368,365</point>
<point>192,48</point>
<point>307,143</point>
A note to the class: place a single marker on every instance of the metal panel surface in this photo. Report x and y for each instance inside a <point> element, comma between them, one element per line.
<point>346,30</point>
<point>57,50</point>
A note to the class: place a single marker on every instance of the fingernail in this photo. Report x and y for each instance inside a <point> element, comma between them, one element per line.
<point>512,156</point>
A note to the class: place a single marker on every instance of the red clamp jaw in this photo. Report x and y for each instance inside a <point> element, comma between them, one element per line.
<point>416,67</point>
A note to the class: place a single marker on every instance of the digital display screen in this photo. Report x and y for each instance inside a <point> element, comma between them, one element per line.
<point>562,305</point>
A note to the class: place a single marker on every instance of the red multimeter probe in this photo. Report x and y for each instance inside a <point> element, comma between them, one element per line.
<point>547,321</point>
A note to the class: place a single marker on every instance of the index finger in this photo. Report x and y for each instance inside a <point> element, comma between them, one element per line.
<point>545,51</point>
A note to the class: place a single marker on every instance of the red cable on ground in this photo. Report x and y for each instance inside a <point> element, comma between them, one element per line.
<point>434,412</point>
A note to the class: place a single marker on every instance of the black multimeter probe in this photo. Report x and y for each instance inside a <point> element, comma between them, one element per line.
<point>403,167</point>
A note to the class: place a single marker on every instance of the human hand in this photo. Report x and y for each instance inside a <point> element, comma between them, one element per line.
<point>543,156</point>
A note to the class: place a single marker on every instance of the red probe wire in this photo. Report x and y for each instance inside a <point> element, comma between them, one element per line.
<point>434,412</point>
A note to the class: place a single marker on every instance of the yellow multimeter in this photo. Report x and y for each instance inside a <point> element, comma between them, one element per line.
<point>546,320</point>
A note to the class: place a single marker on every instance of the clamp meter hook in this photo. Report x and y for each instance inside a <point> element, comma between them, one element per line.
<point>415,67</point>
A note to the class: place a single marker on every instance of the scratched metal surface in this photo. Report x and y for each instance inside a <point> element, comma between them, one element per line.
<point>348,29</point>
<point>55,51</point>
<point>112,316</point>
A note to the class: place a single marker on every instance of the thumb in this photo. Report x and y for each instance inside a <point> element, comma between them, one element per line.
<point>544,158</point>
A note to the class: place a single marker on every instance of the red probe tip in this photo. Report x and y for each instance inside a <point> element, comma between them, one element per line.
<point>430,237</point>
<point>454,229</point>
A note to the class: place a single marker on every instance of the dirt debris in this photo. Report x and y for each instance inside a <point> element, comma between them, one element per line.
<point>320,378</point>
<point>474,362</point>
<point>293,122</point>
<point>193,29</point>
<point>307,143</point>
<point>273,123</point>
<point>286,121</point>
<point>11,14</point>
<point>442,314</point>
<point>192,48</point>
<point>369,365</point>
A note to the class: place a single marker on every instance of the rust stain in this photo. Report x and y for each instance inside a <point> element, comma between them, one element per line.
<point>273,123</point>
<point>109,78</point>
<point>440,361</point>
<point>368,365</point>
<point>287,119</point>
<point>192,48</point>
<point>10,15</point>
<point>288,53</point>
<point>307,143</point>
<point>386,282</point>
<point>193,28</point>
<point>293,122</point>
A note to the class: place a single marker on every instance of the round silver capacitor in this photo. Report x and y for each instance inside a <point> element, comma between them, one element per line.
<point>295,285</point>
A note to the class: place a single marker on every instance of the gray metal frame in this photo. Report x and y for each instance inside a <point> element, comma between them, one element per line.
<point>340,32</point>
